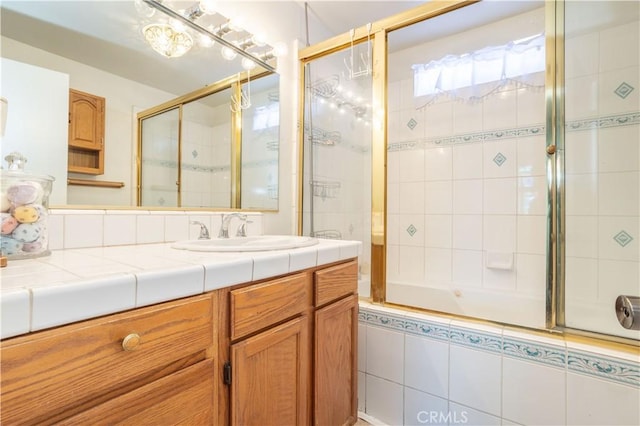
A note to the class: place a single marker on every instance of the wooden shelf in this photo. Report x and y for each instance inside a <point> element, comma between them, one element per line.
<point>98,183</point>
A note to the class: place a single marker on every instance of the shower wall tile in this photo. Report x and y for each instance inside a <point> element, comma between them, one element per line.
<point>461,414</point>
<point>582,231</point>
<point>531,274</point>
<point>393,96</point>
<point>393,229</point>
<point>410,124</point>
<point>610,102</point>
<point>531,156</point>
<point>581,94</point>
<point>498,279</point>
<point>438,231</point>
<point>438,120</point>
<point>618,149</point>
<point>393,126</point>
<point>411,230</point>
<point>582,55</point>
<point>438,197</point>
<point>584,271</point>
<point>545,387</point>
<point>625,274</point>
<point>411,197</point>
<point>467,117</point>
<point>618,238</point>
<point>467,196</point>
<point>581,194</point>
<point>529,102</point>
<point>499,159</point>
<point>467,232</point>
<point>499,111</point>
<point>532,195</point>
<point>411,265</point>
<point>618,194</point>
<point>412,169</point>
<point>467,268</point>
<point>438,267</point>
<point>467,161</point>
<point>581,151</point>
<point>438,163</point>
<point>500,196</point>
<point>532,234</point>
<point>499,233</point>
<point>620,47</point>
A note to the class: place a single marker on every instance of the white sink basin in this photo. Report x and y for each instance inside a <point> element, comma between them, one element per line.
<point>254,243</point>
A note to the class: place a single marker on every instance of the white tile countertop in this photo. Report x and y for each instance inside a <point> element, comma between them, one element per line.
<point>77,284</point>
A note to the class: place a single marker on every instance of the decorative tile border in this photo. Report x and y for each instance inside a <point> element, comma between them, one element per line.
<point>537,352</point>
<point>626,119</point>
<point>609,368</point>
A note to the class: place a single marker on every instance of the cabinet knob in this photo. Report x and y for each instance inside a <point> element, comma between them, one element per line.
<point>131,342</point>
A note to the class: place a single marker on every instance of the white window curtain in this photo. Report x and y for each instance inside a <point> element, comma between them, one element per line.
<point>483,71</point>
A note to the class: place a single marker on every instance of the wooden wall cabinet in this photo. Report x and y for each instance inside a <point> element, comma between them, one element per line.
<point>86,133</point>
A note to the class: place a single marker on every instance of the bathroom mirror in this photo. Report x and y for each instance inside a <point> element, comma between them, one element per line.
<point>99,45</point>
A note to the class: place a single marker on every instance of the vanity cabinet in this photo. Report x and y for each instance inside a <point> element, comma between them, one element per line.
<point>293,349</point>
<point>149,365</point>
<point>86,133</point>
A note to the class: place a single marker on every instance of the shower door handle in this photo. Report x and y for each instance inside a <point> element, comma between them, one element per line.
<point>628,311</point>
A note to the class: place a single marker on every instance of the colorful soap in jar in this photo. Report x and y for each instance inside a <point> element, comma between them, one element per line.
<point>24,200</point>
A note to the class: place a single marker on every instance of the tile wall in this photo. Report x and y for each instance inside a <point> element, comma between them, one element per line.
<point>602,166</point>
<point>467,196</point>
<point>416,369</point>
<point>69,229</point>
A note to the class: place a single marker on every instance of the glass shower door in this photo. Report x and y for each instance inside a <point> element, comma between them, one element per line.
<point>337,153</point>
<point>159,173</point>
<point>601,163</point>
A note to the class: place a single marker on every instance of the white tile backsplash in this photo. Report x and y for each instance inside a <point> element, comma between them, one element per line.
<point>83,230</point>
<point>475,379</point>
<point>426,365</point>
<point>385,353</point>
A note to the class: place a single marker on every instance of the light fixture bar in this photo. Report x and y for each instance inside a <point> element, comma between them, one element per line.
<point>173,14</point>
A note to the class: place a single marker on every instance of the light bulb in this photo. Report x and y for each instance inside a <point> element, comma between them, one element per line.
<point>177,25</point>
<point>144,9</point>
<point>228,53</point>
<point>208,6</point>
<point>236,24</point>
<point>248,64</point>
<point>280,49</point>
<point>205,41</point>
<point>258,40</point>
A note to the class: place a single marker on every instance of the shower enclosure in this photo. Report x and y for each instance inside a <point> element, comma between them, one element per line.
<point>511,138</point>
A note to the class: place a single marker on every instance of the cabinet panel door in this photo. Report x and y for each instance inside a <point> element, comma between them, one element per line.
<point>336,363</point>
<point>270,384</point>
<point>185,397</point>
<point>336,282</point>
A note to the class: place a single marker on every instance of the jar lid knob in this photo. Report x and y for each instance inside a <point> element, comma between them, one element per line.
<point>16,161</point>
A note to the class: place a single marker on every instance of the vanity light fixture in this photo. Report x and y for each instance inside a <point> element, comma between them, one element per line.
<point>164,39</point>
<point>189,18</point>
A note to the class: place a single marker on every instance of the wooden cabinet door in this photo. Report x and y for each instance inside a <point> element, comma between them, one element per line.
<point>86,132</point>
<point>270,376</point>
<point>336,363</point>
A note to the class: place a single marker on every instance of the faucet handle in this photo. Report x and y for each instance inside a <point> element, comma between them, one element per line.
<point>242,229</point>
<point>204,232</point>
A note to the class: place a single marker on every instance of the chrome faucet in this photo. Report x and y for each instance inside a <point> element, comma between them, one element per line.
<point>204,232</point>
<point>226,219</point>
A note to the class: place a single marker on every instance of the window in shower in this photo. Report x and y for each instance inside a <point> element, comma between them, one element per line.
<point>337,152</point>
<point>466,182</point>
<point>601,163</point>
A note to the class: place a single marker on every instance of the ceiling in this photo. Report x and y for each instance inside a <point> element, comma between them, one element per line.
<point>107,34</point>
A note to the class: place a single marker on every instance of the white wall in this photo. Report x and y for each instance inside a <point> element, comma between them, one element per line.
<point>36,125</point>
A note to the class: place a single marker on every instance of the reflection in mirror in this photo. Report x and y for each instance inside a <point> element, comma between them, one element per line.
<point>205,153</point>
<point>159,154</point>
<point>260,144</point>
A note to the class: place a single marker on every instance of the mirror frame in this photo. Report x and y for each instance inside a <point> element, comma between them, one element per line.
<point>235,84</point>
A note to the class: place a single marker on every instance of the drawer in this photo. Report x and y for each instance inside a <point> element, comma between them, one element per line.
<point>50,375</point>
<point>335,282</point>
<point>261,305</point>
<point>185,397</point>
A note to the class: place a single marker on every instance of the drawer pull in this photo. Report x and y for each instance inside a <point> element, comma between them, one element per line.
<point>131,342</point>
